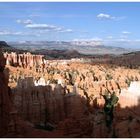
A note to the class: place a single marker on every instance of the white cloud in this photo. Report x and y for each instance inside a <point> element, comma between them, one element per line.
<point>18,21</point>
<point>105,16</point>
<point>47,27</point>
<point>59,29</point>
<point>66,31</point>
<point>41,26</point>
<point>126,32</point>
<point>28,21</point>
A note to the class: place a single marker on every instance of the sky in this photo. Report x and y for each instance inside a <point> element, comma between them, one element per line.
<point>108,23</point>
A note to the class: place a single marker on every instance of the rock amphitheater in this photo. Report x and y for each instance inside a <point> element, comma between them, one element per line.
<point>42,98</point>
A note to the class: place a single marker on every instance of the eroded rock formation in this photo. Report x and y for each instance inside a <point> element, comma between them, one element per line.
<point>68,97</point>
<point>47,103</point>
<point>25,60</point>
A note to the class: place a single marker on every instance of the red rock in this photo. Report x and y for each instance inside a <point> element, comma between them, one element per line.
<point>25,60</point>
<point>5,102</point>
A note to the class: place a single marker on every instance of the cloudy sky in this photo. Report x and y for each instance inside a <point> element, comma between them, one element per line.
<point>115,24</point>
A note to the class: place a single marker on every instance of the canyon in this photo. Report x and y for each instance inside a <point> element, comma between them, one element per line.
<point>64,98</point>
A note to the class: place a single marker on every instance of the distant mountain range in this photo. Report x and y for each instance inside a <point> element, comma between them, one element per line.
<point>8,48</point>
<point>84,47</point>
<point>128,59</point>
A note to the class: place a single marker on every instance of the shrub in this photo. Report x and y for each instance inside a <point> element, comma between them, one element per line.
<point>109,77</point>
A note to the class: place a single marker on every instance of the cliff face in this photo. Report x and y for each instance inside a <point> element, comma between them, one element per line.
<point>11,124</point>
<point>45,103</point>
<point>7,114</point>
<point>25,60</point>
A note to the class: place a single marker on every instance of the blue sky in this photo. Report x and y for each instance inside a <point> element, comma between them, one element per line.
<point>114,24</point>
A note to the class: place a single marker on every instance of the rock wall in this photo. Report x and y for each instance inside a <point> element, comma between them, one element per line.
<point>7,112</point>
<point>38,104</point>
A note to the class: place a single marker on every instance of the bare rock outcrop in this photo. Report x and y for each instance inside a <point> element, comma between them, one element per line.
<point>7,112</point>
<point>39,104</point>
<point>70,97</point>
<point>25,60</point>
